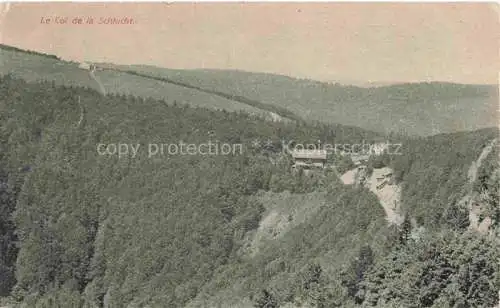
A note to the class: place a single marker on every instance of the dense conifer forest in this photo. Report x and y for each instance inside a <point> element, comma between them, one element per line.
<point>81,229</point>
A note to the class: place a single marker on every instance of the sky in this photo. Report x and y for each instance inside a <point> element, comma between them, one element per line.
<point>345,42</point>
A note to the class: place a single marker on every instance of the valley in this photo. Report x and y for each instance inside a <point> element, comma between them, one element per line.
<point>91,218</point>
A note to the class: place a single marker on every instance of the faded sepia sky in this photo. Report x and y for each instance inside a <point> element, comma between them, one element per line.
<point>350,42</point>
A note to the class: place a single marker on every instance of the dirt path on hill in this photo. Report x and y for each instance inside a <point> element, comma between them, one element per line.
<point>474,207</point>
<point>96,79</point>
<point>474,168</point>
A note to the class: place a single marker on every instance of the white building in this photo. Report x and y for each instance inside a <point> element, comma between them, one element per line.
<point>308,159</point>
<point>87,66</point>
<point>84,65</point>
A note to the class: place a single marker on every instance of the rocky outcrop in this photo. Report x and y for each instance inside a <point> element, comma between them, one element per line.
<point>381,183</point>
<point>474,201</point>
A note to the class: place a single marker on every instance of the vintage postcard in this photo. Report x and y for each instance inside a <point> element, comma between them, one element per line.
<point>244,154</point>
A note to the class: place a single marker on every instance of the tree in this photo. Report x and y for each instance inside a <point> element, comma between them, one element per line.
<point>266,300</point>
<point>446,269</point>
<point>456,217</point>
<point>354,275</point>
<point>405,231</point>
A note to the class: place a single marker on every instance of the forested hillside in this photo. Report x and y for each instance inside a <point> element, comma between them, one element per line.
<point>434,173</point>
<point>415,108</point>
<point>78,214</point>
<point>35,67</point>
<point>80,229</point>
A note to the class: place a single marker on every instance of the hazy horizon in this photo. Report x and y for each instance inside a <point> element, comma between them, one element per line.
<point>350,43</point>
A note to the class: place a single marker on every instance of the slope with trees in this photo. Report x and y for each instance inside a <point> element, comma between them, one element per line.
<point>82,229</point>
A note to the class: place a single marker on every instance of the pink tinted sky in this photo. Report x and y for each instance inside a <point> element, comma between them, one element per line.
<point>347,42</point>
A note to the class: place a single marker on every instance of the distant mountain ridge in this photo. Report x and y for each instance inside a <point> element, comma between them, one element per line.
<point>83,229</point>
<point>413,108</point>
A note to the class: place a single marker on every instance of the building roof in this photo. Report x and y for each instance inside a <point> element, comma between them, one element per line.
<point>358,158</point>
<point>309,154</point>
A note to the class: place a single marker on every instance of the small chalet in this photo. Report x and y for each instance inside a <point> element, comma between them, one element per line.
<point>359,160</point>
<point>309,159</point>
